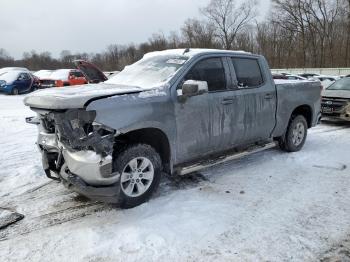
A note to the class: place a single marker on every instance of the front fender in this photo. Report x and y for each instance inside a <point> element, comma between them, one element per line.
<point>130,112</point>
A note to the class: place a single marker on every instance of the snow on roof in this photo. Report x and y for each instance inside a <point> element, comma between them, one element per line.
<point>192,52</point>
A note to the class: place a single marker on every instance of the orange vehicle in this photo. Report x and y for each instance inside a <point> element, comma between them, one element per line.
<point>85,73</point>
<point>68,77</point>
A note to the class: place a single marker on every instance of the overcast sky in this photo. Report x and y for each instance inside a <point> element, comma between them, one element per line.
<point>89,25</point>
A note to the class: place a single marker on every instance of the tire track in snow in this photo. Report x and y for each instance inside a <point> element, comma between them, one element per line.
<point>29,225</point>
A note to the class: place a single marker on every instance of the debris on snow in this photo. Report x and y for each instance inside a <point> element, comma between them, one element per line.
<point>8,217</point>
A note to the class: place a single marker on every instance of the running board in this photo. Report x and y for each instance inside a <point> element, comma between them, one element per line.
<point>210,163</point>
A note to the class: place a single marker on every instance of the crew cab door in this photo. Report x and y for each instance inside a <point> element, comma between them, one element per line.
<point>207,123</point>
<point>256,96</point>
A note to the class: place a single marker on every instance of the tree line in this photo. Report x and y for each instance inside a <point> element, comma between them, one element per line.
<point>297,33</point>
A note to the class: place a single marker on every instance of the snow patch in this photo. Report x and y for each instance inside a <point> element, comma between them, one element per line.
<point>152,93</point>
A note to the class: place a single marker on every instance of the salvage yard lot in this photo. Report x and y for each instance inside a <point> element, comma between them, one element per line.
<point>271,206</point>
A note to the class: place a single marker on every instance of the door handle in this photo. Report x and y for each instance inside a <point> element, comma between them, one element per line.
<point>227,101</point>
<point>268,96</point>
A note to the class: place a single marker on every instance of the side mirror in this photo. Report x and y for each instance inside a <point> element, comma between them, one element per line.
<point>194,88</point>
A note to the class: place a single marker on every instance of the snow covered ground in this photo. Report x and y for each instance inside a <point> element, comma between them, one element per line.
<point>271,206</point>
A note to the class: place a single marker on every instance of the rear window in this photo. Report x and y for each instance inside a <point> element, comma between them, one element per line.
<point>248,72</point>
<point>77,74</point>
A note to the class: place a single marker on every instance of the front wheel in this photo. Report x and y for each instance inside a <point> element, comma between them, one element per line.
<point>140,168</point>
<point>295,136</point>
<point>14,91</point>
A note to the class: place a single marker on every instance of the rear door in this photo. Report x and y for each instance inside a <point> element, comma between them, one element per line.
<point>256,96</point>
<point>225,128</point>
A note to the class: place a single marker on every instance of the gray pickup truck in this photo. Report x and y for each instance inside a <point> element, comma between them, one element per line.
<point>175,112</point>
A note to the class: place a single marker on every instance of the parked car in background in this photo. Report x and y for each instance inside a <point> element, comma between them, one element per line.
<point>326,81</point>
<point>295,77</point>
<point>85,73</point>
<point>66,77</point>
<point>174,111</point>
<point>336,101</point>
<point>308,75</point>
<point>16,82</point>
<point>279,76</point>
<point>43,74</point>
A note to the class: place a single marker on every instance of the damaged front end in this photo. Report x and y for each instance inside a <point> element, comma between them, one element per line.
<point>77,150</point>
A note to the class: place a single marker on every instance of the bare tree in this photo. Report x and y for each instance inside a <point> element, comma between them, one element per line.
<point>229,18</point>
<point>199,34</point>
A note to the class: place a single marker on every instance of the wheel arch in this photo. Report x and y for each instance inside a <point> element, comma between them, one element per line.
<point>304,110</point>
<point>154,137</point>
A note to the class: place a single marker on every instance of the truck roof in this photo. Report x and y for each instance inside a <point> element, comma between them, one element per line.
<point>191,52</point>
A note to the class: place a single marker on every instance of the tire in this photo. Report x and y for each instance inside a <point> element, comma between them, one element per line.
<point>131,192</point>
<point>295,136</point>
<point>14,91</point>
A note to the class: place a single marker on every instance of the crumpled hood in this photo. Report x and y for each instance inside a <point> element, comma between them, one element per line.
<point>336,93</point>
<point>74,96</point>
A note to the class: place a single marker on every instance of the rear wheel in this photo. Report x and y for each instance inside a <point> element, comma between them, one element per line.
<point>15,91</point>
<point>295,136</point>
<point>140,168</point>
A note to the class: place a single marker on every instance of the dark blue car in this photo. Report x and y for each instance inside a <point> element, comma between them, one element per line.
<point>16,82</point>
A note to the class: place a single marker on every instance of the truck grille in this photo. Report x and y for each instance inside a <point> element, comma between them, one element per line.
<point>334,104</point>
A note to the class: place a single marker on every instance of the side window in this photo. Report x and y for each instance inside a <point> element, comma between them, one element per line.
<point>210,70</point>
<point>23,76</point>
<point>248,72</point>
<point>26,76</point>
<point>77,74</point>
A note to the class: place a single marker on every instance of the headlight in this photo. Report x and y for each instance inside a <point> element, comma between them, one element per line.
<point>3,83</point>
<point>78,131</point>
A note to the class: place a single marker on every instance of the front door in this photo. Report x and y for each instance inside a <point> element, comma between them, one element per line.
<point>206,123</point>
<point>24,82</point>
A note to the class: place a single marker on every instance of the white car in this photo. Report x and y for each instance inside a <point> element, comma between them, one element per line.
<point>42,74</point>
<point>295,77</point>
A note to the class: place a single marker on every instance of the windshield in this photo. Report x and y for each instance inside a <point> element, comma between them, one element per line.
<point>61,74</point>
<point>149,72</point>
<point>43,73</point>
<point>342,84</point>
<point>10,76</point>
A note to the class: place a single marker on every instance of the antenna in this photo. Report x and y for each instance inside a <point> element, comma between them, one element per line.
<point>186,51</point>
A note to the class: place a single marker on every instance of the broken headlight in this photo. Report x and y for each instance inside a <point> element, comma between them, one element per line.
<point>77,130</point>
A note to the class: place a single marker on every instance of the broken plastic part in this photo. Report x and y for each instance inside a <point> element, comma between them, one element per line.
<point>77,131</point>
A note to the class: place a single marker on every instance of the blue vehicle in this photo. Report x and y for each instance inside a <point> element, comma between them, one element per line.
<point>16,82</point>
